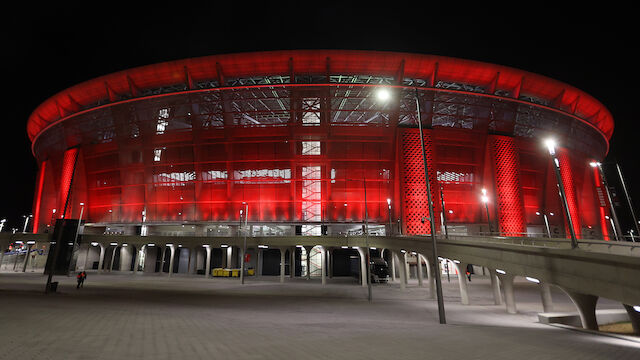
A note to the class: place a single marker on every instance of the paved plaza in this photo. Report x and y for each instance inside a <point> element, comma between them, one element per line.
<point>123,316</point>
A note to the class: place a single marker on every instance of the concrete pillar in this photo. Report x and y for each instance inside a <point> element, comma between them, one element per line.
<point>461,268</point>
<point>292,262</point>
<point>230,263</point>
<point>1,255</point>
<point>323,260</point>
<point>393,266</point>
<point>405,267</point>
<point>101,260</point>
<point>171,259</point>
<point>545,296</point>
<point>308,250</point>
<point>136,260</point>
<point>401,270</point>
<point>193,260</point>
<point>26,258</point>
<point>431,269</point>
<point>330,266</point>
<point>282,263</point>
<point>634,317</point>
<point>363,266</point>
<point>586,305</point>
<point>259,262</point>
<point>162,258</point>
<point>509,295</point>
<point>113,257</point>
<point>207,262</point>
<point>495,286</point>
<point>419,269</point>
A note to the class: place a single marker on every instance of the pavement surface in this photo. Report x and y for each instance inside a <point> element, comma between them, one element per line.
<point>122,316</point>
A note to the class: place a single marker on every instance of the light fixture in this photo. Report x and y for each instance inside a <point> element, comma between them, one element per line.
<point>551,145</point>
<point>534,280</point>
<point>224,245</point>
<point>383,94</point>
<point>501,271</point>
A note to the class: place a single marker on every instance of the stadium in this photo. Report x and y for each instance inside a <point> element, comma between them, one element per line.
<point>320,143</point>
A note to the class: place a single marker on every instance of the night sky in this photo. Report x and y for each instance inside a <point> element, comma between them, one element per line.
<point>47,48</point>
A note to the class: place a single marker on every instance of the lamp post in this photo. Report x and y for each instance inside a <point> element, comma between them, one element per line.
<point>441,312</point>
<point>384,95</point>
<point>26,222</point>
<point>485,200</point>
<point>551,146</point>
<point>629,202</point>
<point>546,222</point>
<point>244,245</point>
<point>617,231</point>
<point>389,207</point>
<point>443,216</point>
<point>366,240</point>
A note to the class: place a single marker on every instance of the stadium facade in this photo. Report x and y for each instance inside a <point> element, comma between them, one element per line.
<point>319,142</point>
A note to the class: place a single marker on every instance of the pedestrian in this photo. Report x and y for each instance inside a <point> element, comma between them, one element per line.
<point>469,271</point>
<point>84,277</point>
<point>80,279</point>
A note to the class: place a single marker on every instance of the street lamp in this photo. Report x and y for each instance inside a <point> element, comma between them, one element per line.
<point>546,222</point>
<point>485,200</point>
<point>614,223</point>
<point>383,95</point>
<point>26,221</point>
<point>389,206</point>
<point>244,246</point>
<point>551,146</point>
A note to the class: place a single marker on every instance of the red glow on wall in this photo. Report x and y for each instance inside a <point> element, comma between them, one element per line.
<point>601,204</point>
<point>507,182</point>
<point>566,173</point>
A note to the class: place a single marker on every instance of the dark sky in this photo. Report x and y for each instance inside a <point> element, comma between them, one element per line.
<point>48,48</point>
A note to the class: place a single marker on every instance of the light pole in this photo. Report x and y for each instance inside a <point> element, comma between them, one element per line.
<point>383,95</point>
<point>629,202</point>
<point>390,225</point>
<point>617,231</point>
<point>244,246</point>
<point>485,200</point>
<point>441,312</point>
<point>366,240</point>
<point>443,216</point>
<point>551,146</point>
<point>26,221</point>
<point>546,222</point>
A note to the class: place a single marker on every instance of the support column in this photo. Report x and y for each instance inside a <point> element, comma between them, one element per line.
<point>26,258</point>
<point>401,270</point>
<point>101,260</point>
<point>292,262</point>
<point>282,263</point>
<point>2,247</point>
<point>308,250</point>
<point>163,251</point>
<point>545,296</point>
<point>330,266</point>
<point>509,295</point>
<point>172,249</point>
<point>431,276</point>
<point>405,268</point>
<point>363,267</point>
<point>634,316</point>
<point>495,286</point>
<point>136,260</point>
<point>586,305</point>
<point>259,262</point>
<point>323,257</point>
<point>393,266</point>
<point>419,269</point>
<point>462,282</point>
<point>207,262</point>
<point>113,257</point>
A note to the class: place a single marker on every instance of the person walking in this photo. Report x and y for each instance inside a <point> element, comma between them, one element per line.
<point>81,277</point>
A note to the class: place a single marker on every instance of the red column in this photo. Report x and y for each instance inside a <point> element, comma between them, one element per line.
<point>509,198</point>
<point>566,173</point>
<point>413,186</point>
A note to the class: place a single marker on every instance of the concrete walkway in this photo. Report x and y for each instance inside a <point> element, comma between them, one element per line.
<point>154,317</point>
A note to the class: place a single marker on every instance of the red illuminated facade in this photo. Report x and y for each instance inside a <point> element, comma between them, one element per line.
<point>303,140</point>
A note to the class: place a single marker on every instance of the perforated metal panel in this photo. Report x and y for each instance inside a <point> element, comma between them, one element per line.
<point>68,166</point>
<point>507,182</point>
<point>566,173</point>
<point>414,190</point>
